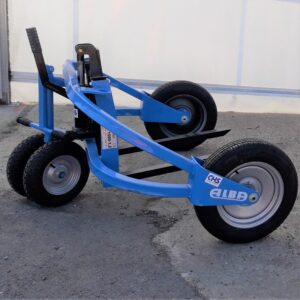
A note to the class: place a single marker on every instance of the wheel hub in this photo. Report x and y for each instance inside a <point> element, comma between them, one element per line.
<point>264,179</point>
<point>194,120</point>
<point>57,172</point>
<point>61,175</point>
<point>187,117</point>
<point>252,183</point>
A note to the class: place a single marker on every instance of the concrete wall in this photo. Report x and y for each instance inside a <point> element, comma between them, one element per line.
<point>4,60</point>
<point>0,85</point>
<point>233,42</point>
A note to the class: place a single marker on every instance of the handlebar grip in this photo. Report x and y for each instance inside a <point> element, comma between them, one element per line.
<point>36,48</point>
<point>37,53</point>
<point>34,40</point>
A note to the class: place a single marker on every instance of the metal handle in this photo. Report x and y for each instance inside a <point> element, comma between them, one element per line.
<point>89,62</point>
<point>38,54</point>
<point>36,48</point>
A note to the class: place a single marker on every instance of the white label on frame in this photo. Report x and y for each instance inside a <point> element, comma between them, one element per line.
<point>75,113</point>
<point>108,139</point>
<point>213,179</point>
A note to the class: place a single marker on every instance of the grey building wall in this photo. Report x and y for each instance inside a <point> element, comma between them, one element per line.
<point>4,55</point>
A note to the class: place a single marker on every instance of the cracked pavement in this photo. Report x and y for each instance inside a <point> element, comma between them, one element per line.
<point>110,243</point>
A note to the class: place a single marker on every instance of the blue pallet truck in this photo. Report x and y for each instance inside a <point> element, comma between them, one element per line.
<point>240,193</point>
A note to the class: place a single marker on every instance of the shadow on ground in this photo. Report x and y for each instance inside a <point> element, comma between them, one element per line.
<point>114,244</point>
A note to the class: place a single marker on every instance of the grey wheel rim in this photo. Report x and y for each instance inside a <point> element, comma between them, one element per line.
<point>61,175</point>
<point>266,180</point>
<point>182,103</point>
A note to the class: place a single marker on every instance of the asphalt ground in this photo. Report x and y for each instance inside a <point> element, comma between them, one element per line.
<point>110,243</point>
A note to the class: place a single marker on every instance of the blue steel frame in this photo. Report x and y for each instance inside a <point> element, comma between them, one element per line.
<point>203,187</point>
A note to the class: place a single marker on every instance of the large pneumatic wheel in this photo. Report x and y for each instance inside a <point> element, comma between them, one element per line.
<point>18,159</point>
<point>56,173</point>
<point>262,167</point>
<point>188,96</point>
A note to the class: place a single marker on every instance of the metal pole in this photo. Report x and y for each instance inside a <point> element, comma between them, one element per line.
<point>4,54</point>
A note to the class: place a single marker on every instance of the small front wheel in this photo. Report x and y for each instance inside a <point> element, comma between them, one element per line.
<point>266,169</point>
<point>56,173</point>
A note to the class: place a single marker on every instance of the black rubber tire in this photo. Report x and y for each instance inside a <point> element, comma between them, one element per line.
<point>225,160</point>
<point>33,174</point>
<point>200,102</point>
<point>18,159</point>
